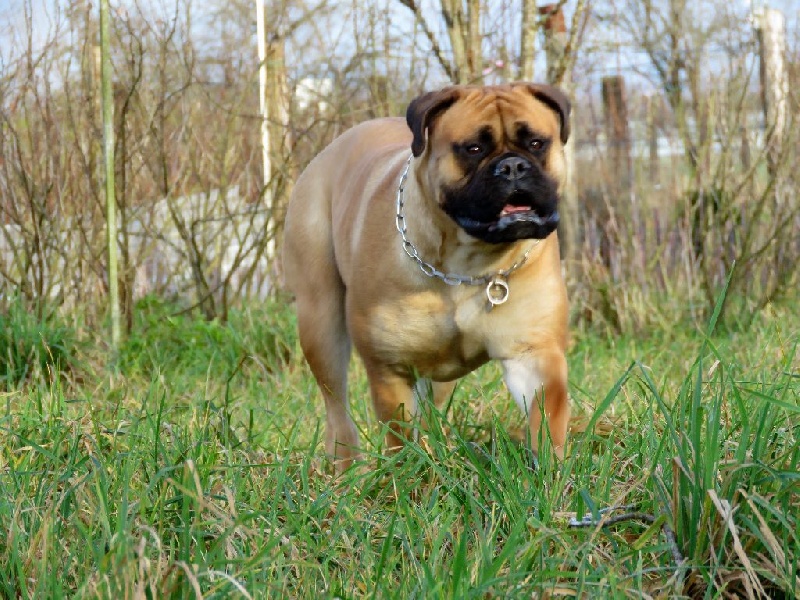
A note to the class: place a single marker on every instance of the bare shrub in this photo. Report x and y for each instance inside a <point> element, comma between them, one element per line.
<point>710,194</point>
<point>709,182</point>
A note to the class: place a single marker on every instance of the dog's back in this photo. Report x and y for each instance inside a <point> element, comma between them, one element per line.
<point>324,197</point>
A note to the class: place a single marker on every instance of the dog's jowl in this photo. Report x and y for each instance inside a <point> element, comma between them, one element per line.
<point>430,245</point>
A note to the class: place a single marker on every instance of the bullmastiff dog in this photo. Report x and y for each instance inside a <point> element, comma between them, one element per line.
<point>430,245</point>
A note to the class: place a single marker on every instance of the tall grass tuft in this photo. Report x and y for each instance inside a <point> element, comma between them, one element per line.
<point>169,337</point>
<point>32,347</point>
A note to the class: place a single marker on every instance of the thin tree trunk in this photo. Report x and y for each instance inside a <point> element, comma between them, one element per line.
<point>528,32</point>
<point>453,15</point>
<point>108,153</point>
<point>474,41</point>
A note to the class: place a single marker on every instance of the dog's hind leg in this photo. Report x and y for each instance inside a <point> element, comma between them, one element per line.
<point>311,273</point>
<point>326,345</point>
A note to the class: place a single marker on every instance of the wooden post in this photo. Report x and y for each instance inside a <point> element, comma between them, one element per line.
<point>276,101</point>
<point>555,43</point>
<point>619,180</point>
<point>618,140</point>
<point>744,149</point>
<point>654,173</point>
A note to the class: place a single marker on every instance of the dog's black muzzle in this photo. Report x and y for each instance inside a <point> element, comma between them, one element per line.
<point>509,199</point>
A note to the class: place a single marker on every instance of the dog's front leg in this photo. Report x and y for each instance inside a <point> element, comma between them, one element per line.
<point>393,398</point>
<point>538,382</point>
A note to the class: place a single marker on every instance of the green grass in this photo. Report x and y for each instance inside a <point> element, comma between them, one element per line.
<point>195,469</point>
<point>31,346</point>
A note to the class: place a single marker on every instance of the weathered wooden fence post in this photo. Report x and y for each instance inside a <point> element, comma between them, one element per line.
<point>618,139</point>
<point>654,168</point>
<point>618,177</point>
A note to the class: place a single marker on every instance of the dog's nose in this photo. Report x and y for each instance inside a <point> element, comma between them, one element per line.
<point>512,168</point>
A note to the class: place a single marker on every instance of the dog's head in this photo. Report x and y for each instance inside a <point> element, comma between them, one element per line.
<point>494,156</point>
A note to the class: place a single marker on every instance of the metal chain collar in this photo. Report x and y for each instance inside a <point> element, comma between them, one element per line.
<point>496,283</point>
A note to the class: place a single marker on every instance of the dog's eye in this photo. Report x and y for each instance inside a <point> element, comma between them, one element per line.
<point>536,144</point>
<point>474,149</point>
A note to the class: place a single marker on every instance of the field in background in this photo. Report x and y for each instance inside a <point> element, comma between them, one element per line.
<point>195,469</point>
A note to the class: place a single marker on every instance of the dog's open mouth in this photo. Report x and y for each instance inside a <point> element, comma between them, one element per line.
<point>521,214</point>
<point>510,215</point>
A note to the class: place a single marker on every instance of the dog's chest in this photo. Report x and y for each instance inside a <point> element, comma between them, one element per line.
<point>440,336</point>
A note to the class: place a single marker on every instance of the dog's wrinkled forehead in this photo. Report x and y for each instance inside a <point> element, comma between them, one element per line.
<point>502,116</point>
<point>460,112</point>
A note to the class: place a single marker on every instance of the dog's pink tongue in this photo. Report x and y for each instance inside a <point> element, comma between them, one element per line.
<point>510,209</point>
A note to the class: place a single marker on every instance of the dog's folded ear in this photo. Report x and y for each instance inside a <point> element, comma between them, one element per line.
<point>555,99</point>
<point>423,110</point>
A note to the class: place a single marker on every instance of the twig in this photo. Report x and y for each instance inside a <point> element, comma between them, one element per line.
<point>589,521</point>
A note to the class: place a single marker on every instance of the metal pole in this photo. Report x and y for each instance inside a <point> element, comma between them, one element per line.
<point>261,33</point>
<point>108,156</point>
<point>262,86</point>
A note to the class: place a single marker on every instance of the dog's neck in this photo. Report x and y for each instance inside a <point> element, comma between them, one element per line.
<point>442,244</point>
